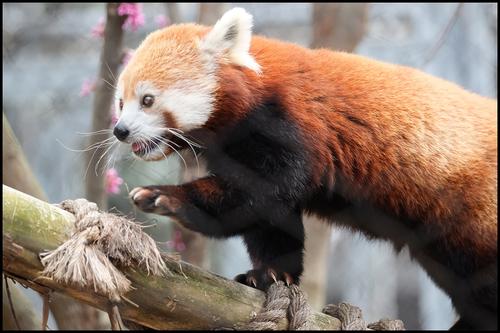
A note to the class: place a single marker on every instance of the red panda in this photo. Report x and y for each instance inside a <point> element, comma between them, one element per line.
<point>283,129</point>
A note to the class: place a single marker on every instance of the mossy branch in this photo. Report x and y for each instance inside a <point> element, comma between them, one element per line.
<point>189,299</point>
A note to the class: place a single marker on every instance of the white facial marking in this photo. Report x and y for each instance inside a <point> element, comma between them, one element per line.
<point>146,127</point>
<point>190,102</point>
<point>231,37</point>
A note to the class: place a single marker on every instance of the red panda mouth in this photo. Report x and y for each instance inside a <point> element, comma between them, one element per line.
<point>141,148</point>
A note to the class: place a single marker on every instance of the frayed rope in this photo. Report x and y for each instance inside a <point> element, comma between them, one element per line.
<point>291,302</point>
<point>101,241</point>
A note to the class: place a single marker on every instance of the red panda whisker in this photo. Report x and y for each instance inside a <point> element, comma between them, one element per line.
<point>109,84</point>
<point>171,147</point>
<point>169,141</point>
<point>159,148</point>
<point>176,130</point>
<point>164,142</point>
<point>103,131</point>
<point>106,141</point>
<point>142,139</point>
<point>182,158</point>
<point>110,71</point>
<point>92,157</point>
<point>99,160</point>
<point>92,146</point>
<point>112,158</point>
<point>190,144</point>
<point>180,136</point>
<point>146,142</point>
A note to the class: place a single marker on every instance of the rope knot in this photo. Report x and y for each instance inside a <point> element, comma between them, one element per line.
<point>99,242</point>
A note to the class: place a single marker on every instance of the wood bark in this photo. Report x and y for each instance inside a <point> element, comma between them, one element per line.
<point>188,299</point>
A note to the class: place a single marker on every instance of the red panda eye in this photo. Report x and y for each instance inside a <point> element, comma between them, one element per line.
<point>121,104</point>
<point>147,101</point>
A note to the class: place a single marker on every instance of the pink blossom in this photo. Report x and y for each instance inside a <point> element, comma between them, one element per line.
<point>88,86</point>
<point>127,56</point>
<point>135,16</point>
<point>113,181</point>
<point>162,21</point>
<point>177,243</point>
<point>98,29</point>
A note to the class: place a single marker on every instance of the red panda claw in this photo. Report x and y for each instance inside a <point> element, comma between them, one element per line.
<point>273,275</point>
<point>288,279</point>
<point>253,281</point>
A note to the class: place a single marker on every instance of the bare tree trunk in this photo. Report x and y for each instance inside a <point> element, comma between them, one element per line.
<point>209,13</point>
<point>173,12</point>
<point>110,61</point>
<point>338,26</point>
<point>16,172</point>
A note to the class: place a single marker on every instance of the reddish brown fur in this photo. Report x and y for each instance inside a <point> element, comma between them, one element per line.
<point>414,145</point>
<point>400,136</point>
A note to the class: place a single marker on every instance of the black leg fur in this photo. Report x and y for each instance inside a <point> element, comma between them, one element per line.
<point>276,252</point>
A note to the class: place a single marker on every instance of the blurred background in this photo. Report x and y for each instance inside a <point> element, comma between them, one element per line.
<point>58,73</point>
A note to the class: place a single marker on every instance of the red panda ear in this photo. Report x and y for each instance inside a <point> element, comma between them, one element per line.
<point>231,37</point>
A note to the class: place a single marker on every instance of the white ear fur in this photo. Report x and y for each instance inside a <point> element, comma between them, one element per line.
<point>231,35</point>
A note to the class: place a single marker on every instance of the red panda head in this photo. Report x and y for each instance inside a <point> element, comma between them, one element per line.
<point>170,84</point>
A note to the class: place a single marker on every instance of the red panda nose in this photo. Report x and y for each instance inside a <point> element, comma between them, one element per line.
<point>121,132</point>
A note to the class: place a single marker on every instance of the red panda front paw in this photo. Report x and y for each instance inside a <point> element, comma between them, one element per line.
<point>263,278</point>
<point>153,200</point>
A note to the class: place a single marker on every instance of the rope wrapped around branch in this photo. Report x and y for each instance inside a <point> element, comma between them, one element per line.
<point>283,301</point>
<point>101,241</point>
